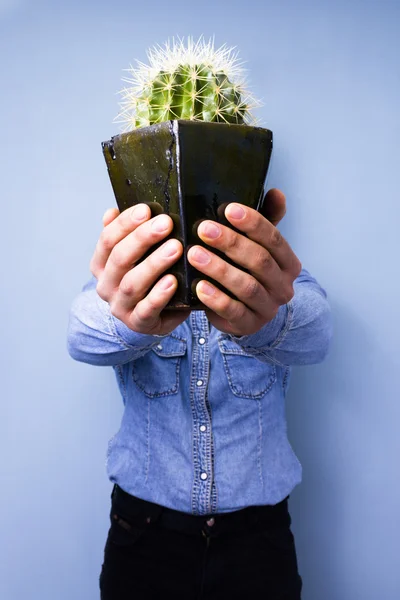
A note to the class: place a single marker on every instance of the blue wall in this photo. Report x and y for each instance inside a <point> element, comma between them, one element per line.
<point>329,77</point>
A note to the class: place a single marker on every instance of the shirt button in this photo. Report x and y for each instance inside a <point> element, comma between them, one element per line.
<point>199,382</point>
<point>159,347</point>
<point>203,476</point>
<point>203,428</point>
<point>202,341</point>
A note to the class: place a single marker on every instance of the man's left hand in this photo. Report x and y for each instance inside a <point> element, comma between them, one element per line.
<point>272,266</point>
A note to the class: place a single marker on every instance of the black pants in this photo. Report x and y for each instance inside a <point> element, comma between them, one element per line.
<point>152,552</point>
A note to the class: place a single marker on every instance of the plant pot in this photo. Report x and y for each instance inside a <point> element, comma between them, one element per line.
<point>189,170</point>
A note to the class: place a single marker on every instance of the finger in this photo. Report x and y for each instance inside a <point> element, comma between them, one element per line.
<point>226,314</point>
<point>137,281</point>
<point>130,250</point>
<point>114,232</point>
<point>260,230</point>
<point>243,285</point>
<point>243,251</point>
<point>148,315</point>
<point>110,215</point>
<point>274,206</point>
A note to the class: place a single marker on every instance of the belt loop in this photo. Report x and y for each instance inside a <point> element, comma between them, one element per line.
<point>155,513</point>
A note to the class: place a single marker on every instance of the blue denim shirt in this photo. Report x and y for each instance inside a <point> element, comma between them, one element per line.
<point>204,428</point>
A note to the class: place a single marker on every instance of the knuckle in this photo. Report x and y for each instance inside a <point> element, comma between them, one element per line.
<point>101,291</point>
<point>119,258</point>
<point>264,260</point>
<point>298,267</point>
<point>224,306</point>
<point>276,239</point>
<point>143,235</point>
<point>153,303</point>
<point>252,289</point>
<point>143,312</point>
<point>254,222</point>
<point>222,270</point>
<point>238,311</point>
<point>290,293</point>
<point>106,241</point>
<point>286,294</point>
<point>157,258</point>
<point>114,308</point>
<point>232,241</point>
<point>232,310</point>
<point>127,287</point>
<point>150,269</point>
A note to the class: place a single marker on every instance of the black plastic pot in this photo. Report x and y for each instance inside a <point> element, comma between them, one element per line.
<point>189,170</point>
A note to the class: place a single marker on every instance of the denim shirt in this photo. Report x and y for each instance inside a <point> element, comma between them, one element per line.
<point>204,427</point>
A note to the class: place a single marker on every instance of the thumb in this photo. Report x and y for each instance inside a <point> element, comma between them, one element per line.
<point>274,206</point>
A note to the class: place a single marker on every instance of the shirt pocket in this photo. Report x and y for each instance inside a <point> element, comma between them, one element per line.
<point>157,372</point>
<point>247,376</point>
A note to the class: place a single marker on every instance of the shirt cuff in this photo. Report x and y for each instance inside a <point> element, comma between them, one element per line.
<point>133,338</point>
<point>271,334</point>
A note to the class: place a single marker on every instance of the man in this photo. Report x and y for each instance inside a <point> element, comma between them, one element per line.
<point>202,467</point>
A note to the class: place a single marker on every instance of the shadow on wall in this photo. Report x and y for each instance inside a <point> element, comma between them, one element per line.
<point>327,416</point>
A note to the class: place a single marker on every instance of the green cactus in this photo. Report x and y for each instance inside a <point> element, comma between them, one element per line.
<point>193,82</point>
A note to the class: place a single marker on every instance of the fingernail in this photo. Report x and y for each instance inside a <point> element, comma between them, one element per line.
<point>211,230</point>
<point>139,212</point>
<point>207,289</point>
<point>169,249</point>
<point>200,256</point>
<point>235,211</point>
<point>160,223</point>
<point>166,283</point>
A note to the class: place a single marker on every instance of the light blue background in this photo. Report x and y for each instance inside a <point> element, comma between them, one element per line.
<point>328,73</point>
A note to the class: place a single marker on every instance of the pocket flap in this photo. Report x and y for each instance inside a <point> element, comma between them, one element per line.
<point>228,346</point>
<point>170,346</point>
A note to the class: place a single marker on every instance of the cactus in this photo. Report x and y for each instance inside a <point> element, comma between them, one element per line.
<point>193,82</point>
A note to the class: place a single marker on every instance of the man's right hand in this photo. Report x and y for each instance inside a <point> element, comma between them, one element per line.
<point>128,287</point>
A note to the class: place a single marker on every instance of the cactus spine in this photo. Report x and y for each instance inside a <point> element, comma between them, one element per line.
<point>193,82</point>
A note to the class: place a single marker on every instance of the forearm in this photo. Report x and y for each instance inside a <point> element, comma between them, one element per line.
<point>96,337</point>
<point>300,333</point>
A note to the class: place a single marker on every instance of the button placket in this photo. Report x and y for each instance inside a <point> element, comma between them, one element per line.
<point>200,372</point>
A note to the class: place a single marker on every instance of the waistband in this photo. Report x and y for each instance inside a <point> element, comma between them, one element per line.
<point>143,513</point>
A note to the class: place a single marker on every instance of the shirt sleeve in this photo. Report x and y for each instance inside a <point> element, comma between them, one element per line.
<point>96,337</point>
<point>300,333</point>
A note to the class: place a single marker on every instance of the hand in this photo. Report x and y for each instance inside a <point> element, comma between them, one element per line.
<point>271,263</point>
<point>125,285</point>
